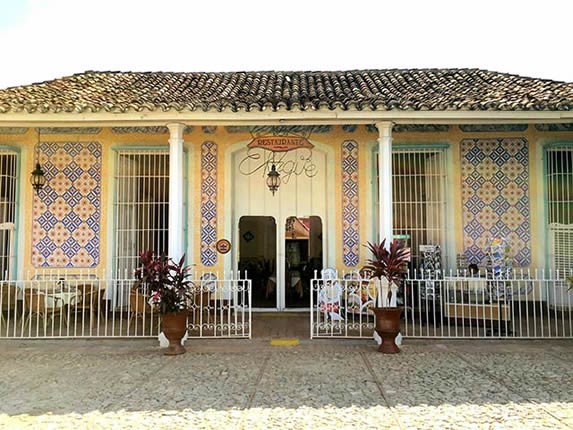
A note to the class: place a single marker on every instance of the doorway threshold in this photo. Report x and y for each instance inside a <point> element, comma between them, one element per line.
<point>281,325</point>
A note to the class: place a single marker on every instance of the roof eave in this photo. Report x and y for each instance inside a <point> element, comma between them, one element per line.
<point>322,116</point>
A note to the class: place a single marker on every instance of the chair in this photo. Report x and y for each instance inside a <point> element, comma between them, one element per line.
<point>89,300</point>
<point>35,305</point>
<point>8,302</point>
<point>138,303</point>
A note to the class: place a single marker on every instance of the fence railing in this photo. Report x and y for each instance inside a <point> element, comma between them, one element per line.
<point>521,304</point>
<point>88,306</point>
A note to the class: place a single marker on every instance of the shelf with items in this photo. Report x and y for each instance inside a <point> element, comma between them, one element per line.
<point>471,298</point>
<point>430,271</point>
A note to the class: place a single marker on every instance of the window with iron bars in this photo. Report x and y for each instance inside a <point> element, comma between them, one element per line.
<point>559,192</point>
<point>419,198</point>
<point>8,180</point>
<point>141,207</point>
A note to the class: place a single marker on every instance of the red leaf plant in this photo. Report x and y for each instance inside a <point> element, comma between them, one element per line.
<point>165,281</point>
<point>390,263</point>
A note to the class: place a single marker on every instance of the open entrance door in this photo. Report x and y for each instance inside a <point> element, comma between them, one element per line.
<point>259,219</point>
<point>303,256</point>
<point>272,287</point>
<point>257,256</point>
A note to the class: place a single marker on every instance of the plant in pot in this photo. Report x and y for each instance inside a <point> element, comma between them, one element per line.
<point>167,283</point>
<point>389,264</point>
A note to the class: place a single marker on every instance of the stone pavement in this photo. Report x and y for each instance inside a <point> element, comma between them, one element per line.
<point>249,384</point>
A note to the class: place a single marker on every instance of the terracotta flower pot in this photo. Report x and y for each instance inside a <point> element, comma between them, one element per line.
<point>388,327</point>
<point>174,326</point>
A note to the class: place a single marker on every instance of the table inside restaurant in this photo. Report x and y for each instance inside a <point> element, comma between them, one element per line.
<point>62,298</point>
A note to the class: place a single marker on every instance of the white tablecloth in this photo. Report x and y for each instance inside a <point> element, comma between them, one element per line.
<point>61,298</point>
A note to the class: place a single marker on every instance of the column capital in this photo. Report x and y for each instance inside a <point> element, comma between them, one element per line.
<point>176,129</point>
<point>384,126</point>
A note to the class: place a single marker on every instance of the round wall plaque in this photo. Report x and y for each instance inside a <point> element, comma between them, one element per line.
<point>223,246</point>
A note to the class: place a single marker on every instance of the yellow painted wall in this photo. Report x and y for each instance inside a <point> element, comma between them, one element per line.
<point>224,139</point>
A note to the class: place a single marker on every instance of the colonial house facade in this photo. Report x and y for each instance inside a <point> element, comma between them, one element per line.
<point>184,163</point>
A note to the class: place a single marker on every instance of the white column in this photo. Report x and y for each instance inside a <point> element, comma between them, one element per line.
<point>385,180</point>
<point>176,239</point>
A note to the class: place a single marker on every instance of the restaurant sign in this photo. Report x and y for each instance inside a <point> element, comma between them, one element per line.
<point>280,152</point>
<point>280,143</point>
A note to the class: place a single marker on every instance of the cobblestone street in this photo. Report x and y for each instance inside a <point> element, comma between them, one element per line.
<point>249,384</point>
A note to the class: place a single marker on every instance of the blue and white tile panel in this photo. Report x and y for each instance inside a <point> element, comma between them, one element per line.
<point>350,204</point>
<point>208,203</point>
<point>66,212</point>
<point>495,197</point>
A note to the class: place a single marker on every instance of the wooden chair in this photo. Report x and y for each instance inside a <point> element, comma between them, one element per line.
<point>35,305</point>
<point>89,301</point>
<point>9,303</point>
<point>138,304</point>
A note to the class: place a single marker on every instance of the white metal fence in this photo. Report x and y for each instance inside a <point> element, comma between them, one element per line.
<point>521,305</point>
<point>85,306</point>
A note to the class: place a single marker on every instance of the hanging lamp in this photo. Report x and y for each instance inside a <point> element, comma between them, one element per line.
<point>38,178</point>
<point>273,179</point>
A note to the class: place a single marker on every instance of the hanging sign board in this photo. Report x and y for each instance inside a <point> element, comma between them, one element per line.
<point>280,143</point>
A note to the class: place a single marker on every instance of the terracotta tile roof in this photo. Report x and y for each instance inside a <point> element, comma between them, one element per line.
<point>411,89</point>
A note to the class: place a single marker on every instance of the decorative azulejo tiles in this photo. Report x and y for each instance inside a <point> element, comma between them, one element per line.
<point>13,130</point>
<point>350,204</point>
<point>66,226</point>
<point>484,128</point>
<point>278,129</point>
<point>69,130</point>
<point>208,203</point>
<point>349,128</point>
<point>495,195</point>
<point>160,129</point>
<point>209,129</point>
<point>412,128</point>
<point>554,127</point>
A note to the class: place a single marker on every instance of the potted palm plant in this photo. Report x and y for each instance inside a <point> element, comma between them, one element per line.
<point>167,283</point>
<point>389,264</point>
